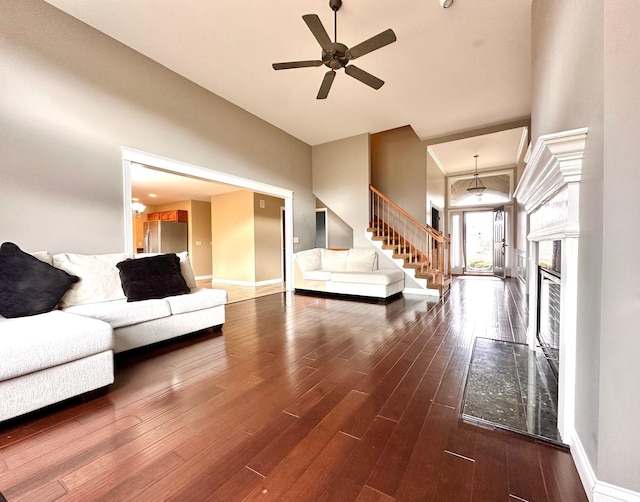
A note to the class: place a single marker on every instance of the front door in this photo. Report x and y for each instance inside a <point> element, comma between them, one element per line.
<point>499,242</point>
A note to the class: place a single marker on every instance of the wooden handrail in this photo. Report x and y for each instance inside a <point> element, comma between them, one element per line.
<point>434,233</point>
<point>421,246</point>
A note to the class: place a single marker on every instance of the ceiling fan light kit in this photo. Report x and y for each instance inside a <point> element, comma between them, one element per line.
<point>336,55</point>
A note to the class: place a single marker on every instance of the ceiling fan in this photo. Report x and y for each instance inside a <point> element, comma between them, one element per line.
<point>336,55</point>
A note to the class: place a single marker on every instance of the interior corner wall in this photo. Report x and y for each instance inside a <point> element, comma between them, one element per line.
<point>341,180</point>
<point>267,237</point>
<point>71,97</point>
<point>586,72</point>
<point>399,169</point>
<point>200,250</point>
<point>436,183</point>
<point>232,233</point>
<point>339,234</point>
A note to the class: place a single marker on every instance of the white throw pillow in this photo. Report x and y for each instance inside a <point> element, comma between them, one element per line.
<point>309,260</point>
<point>99,277</point>
<point>362,260</point>
<point>335,261</point>
<point>185,267</point>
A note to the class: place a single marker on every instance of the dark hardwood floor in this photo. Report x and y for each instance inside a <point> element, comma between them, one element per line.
<point>300,399</point>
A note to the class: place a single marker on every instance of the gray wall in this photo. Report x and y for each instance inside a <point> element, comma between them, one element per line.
<point>70,97</point>
<point>619,445</point>
<point>341,181</point>
<point>586,72</point>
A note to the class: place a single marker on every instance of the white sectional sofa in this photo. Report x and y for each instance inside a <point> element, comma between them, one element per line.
<point>352,272</point>
<point>99,295</point>
<point>68,351</point>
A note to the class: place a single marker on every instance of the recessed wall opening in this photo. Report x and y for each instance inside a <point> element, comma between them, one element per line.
<point>131,156</point>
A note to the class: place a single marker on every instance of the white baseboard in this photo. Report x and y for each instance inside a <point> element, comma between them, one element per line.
<point>247,283</point>
<point>423,292</point>
<point>203,277</point>
<point>604,492</point>
<point>597,491</point>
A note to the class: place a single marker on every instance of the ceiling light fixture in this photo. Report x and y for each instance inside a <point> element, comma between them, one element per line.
<point>446,3</point>
<point>476,186</point>
<point>137,208</point>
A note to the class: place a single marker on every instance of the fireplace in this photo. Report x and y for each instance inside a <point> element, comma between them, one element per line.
<point>549,301</point>
<point>549,190</point>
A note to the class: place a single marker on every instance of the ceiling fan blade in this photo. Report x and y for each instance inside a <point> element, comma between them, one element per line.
<point>363,76</point>
<point>296,64</point>
<point>380,40</point>
<point>326,84</point>
<point>316,27</point>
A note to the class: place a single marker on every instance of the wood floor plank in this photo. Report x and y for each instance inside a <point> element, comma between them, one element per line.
<point>237,487</point>
<point>390,469</point>
<point>490,482</point>
<point>560,474</point>
<point>356,469</point>
<point>279,448</point>
<point>325,466</point>
<point>368,494</point>
<point>293,466</point>
<point>455,481</point>
<point>421,474</point>
<point>525,475</point>
<point>215,474</point>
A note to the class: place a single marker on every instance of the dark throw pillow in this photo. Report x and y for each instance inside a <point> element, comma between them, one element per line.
<point>152,277</point>
<point>29,286</point>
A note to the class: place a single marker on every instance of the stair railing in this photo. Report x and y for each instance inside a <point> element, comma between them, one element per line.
<point>421,246</point>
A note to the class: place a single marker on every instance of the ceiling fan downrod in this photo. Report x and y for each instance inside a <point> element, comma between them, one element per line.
<point>335,7</point>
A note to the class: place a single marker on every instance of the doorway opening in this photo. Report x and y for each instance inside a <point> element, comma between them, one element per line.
<point>478,242</point>
<point>174,167</point>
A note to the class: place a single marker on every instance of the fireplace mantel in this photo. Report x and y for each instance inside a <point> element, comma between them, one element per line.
<point>554,161</point>
<point>550,193</point>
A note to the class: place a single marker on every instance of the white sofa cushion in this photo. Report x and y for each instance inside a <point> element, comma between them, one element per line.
<point>120,313</point>
<point>99,277</point>
<point>309,260</point>
<point>334,261</point>
<point>362,260</point>
<point>185,267</point>
<point>43,256</point>
<point>33,343</point>
<point>383,277</point>
<point>198,299</point>
<point>317,275</point>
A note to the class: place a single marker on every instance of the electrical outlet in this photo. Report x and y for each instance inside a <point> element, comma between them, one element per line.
<point>296,240</point>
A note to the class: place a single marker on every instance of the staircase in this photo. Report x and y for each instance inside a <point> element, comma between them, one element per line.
<point>422,251</point>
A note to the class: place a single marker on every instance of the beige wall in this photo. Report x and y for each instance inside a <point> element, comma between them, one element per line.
<point>233,248</point>
<point>268,237</point>
<point>399,169</point>
<point>71,97</point>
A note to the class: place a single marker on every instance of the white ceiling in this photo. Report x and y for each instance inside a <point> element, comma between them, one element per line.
<point>451,70</point>
<point>169,188</point>
<point>499,149</point>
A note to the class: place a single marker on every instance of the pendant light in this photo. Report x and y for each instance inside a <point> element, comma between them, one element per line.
<point>476,186</point>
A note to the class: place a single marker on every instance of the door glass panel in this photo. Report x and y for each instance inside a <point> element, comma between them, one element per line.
<point>478,242</point>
